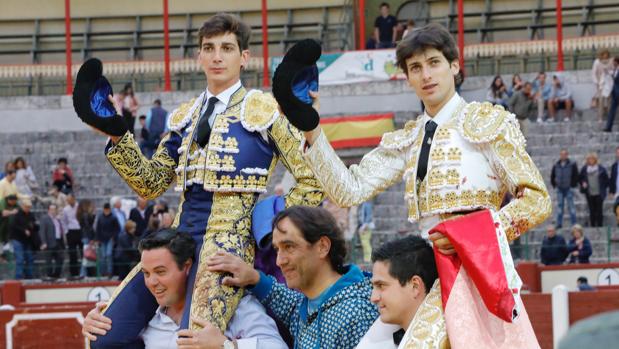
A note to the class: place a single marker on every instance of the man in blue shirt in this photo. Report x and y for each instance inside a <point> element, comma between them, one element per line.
<point>542,92</point>
<point>332,307</point>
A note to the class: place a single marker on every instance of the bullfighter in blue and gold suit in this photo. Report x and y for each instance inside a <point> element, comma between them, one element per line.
<point>221,149</point>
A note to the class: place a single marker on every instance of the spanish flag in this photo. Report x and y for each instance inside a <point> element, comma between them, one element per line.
<point>356,130</point>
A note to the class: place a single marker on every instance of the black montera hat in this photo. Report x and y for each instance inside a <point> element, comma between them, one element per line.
<point>90,99</point>
<point>296,75</point>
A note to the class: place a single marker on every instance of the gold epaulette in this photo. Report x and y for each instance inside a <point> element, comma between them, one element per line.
<point>483,122</point>
<point>401,138</point>
<point>258,111</point>
<point>180,116</point>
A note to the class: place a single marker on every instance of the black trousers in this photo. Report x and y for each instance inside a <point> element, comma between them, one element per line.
<point>596,215</point>
<point>76,249</point>
<point>54,258</point>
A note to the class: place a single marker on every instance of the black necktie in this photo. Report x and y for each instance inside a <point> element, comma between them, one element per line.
<point>204,128</point>
<point>422,168</point>
<point>398,335</point>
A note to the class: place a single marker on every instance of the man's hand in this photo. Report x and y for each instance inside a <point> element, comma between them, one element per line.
<point>243,274</point>
<point>43,247</point>
<point>95,323</point>
<point>27,232</point>
<point>442,243</point>
<point>209,337</point>
<point>311,136</point>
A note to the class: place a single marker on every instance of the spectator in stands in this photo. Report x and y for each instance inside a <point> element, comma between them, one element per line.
<point>614,184</point>
<point>25,180</point>
<point>167,219</point>
<point>22,234</point>
<point>517,85</point>
<point>166,258</point>
<point>8,187</point>
<point>583,284</point>
<point>146,146</point>
<point>86,218</point>
<point>126,255</point>
<point>542,91</point>
<point>116,203</point>
<point>154,225</point>
<point>403,274</point>
<point>157,122</point>
<point>52,234</point>
<point>140,215</point>
<point>602,73</point>
<point>9,165</point>
<point>385,27</point>
<point>62,177</point>
<point>497,92</point>
<point>58,198</point>
<point>366,227</point>
<point>579,247</point>
<point>594,184</point>
<point>106,230</point>
<point>129,106</point>
<point>410,25</point>
<point>614,97</point>
<point>554,248</point>
<point>560,98</point>
<point>75,245</point>
<point>310,252</point>
<point>8,208</point>
<point>522,103</point>
<point>564,177</point>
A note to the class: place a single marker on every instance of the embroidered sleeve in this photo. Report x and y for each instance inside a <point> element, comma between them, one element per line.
<point>287,138</point>
<point>531,204</point>
<point>379,169</point>
<point>148,178</point>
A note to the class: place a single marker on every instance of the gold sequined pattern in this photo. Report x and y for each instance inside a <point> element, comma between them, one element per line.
<point>178,118</point>
<point>228,229</point>
<point>428,330</point>
<point>148,178</point>
<point>287,139</point>
<point>259,111</point>
<point>515,168</point>
<point>482,122</point>
<point>400,138</point>
<point>433,202</point>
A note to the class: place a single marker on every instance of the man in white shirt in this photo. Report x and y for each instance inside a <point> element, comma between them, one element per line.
<point>74,234</point>
<point>403,274</point>
<point>166,258</point>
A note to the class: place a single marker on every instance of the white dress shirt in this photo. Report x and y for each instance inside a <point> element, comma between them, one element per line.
<point>223,100</point>
<point>250,326</point>
<point>69,218</point>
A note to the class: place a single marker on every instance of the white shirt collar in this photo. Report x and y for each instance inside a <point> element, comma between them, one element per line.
<point>224,96</point>
<point>445,113</point>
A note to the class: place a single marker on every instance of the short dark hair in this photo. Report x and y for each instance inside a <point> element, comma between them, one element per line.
<point>181,245</point>
<point>431,35</point>
<point>158,102</point>
<point>223,23</point>
<point>62,160</point>
<point>107,206</point>
<point>583,280</point>
<point>142,117</point>
<point>408,257</point>
<point>383,4</point>
<point>314,223</point>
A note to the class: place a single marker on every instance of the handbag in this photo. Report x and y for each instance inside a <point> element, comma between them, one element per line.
<point>90,251</point>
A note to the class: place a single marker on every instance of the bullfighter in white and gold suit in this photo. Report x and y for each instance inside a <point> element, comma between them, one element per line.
<point>455,159</point>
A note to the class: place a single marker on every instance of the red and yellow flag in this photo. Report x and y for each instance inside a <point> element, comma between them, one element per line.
<point>356,130</point>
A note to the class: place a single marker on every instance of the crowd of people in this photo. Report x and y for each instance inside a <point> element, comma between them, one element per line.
<point>541,99</point>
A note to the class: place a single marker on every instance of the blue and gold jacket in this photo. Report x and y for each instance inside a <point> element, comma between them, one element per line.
<point>220,182</point>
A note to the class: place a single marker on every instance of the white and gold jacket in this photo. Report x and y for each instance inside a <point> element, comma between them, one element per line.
<point>477,155</point>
